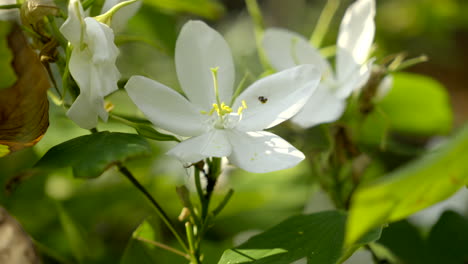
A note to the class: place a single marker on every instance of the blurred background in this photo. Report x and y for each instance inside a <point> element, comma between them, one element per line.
<point>106,210</point>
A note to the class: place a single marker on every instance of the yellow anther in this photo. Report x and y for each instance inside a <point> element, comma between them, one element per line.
<point>241,108</point>
<point>203,112</point>
<point>225,109</point>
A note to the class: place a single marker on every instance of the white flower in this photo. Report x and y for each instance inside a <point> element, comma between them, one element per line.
<point>120,19</point>
<point>206,74</point>
<point>92,65</point>
<point>286,49</point>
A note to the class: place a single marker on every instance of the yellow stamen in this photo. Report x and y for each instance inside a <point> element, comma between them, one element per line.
<point>241,108</point>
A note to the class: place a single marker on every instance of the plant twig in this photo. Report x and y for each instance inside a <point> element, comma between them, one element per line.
<point>156,205</point>
<point>163,246</point>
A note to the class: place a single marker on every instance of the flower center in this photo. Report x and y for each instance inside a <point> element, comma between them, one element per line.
<point>225,117</point>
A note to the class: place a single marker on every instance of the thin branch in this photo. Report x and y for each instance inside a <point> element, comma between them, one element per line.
<point>163,246</point>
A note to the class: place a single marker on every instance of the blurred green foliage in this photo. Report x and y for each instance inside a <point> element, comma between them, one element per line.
<point>65,215</point>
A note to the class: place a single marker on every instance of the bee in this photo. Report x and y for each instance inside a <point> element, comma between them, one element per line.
<point>263,99</point>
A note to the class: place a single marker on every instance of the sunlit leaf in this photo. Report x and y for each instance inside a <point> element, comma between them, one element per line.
<point>416,104</point>
<point>318,237</point>
<point>91,155</point>
<point>24,107</point>
<point>418,185</point>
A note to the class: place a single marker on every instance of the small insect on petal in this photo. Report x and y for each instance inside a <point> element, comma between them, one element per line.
<point>263,99</point>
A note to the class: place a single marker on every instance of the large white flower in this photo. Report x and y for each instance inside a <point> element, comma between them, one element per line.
<point>92,65</point>
<point>286,49</point>
<point>205,71</point>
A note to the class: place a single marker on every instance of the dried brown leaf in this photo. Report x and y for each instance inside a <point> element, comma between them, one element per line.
<point>24,108</point>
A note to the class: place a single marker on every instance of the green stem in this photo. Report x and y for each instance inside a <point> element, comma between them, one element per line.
<point>324,22</point>
<point>156,205</point>
<point>194,249</point>
<point>223,203</point>
<point>12,6</point>
<point>256,15</point>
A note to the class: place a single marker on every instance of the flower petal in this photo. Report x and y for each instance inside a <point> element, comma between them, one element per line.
<point>276,98</point>
<point>71,28</point>
<point>100,41</point>
<point>85,110</point>
<point>356,36</point>
<point>286,49</point>
<point>198,49</point>
<point>165,107</point>
<point>211,144</point>
<point>384,87</point>
<point>262,152</point>
<point>322,107</point>
<point>355,81</point>
<point>121,17</point>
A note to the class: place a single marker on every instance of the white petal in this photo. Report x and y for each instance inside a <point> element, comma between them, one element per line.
<point>165,107</point>
<point>384,87</point>
<point>95,80</point>
<point>81,66</point>
<point>71,28</point>
<point>100,41</point>
<point>121,17</point>
<point>85,110</point>
<point>286,49</point>
<point>322,107</point>
<point>356,36</point>
<point>357,78</point>
<point>211,144</point>
<point>198,49</point>
<point>276,98</point>
<point>262,152</point>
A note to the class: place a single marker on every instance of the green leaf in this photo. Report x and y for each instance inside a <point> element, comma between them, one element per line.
<point>405,242</point>
<point>447,241</point>
<point>206,8</point>
<point>418,105</point>
<point>420,184</point>
<point>318,237</point>
<point>151,133</point>
<point>7,74</point>
<point>91,155</point>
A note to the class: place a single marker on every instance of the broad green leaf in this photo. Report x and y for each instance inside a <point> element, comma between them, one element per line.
<point>91,155</point>
<point>74,234</point>
<point>420,184</point>
<point>448,240</point>
<point>7,74</point>
<point>206,8</point>
<point>446,243</point>
<point>405,242</point>
<point>416,104</point>
<point>318,237</point>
